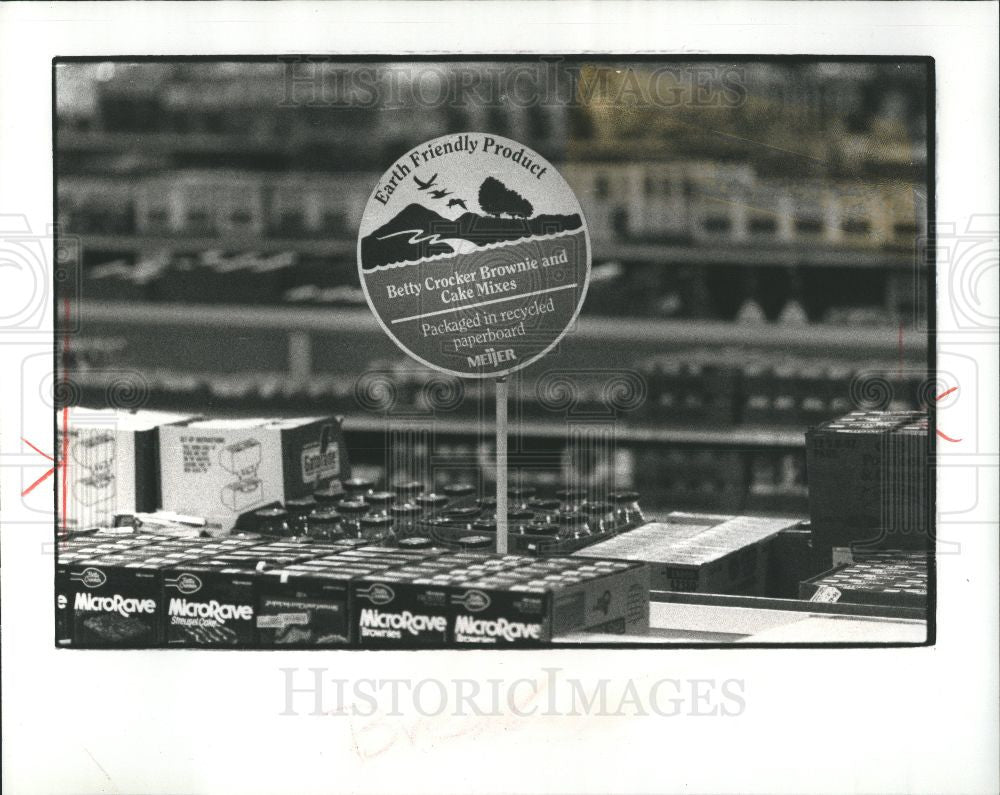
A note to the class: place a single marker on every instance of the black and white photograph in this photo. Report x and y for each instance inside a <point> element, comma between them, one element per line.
<point>714,396</point>
<point>402,398</point>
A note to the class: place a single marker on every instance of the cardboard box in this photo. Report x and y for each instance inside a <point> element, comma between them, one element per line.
<point>114,599</point>
<point>706,553</point>
<point>491,600</point>
<point>390,610</point>
<point>208,603</point>
<point>112,463</point>
<point>220,469</point>
<point>535,604</point>
<point>870,481</point>
<point>307,604</point>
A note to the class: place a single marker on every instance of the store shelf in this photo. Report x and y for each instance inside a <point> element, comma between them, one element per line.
<point>131,244</point>
<point>751,255</point>
<point>735,436</point>
<point>826,339</point>
<point>153,143</point>
<point>748,255</point>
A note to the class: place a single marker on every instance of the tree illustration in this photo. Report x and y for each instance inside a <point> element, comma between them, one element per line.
<point>497,199</point>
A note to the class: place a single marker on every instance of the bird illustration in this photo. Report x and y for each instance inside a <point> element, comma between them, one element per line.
<point>424,185</point>
<point>457,203</point>
<point>440,194</point>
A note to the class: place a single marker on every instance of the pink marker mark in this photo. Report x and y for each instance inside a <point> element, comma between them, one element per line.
<point>945,394</point>
<point>44,477</point>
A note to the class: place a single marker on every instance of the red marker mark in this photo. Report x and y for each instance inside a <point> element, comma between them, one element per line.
<point>44,455</point>
<point>44,477</point>
<point>945,394</point>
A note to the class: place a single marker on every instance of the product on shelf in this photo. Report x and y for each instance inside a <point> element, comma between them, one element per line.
<point>466,598</point>
<point>869,481</point>
<point>896,578</point>
<point>706,553</point>
<point>222,469</point>
<point>145,591</point>
<point>112,463</point>
<point>692,477</point>
<point>110,592</point>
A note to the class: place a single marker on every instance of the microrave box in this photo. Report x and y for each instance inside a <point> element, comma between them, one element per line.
<point>392,610</point>
<point>113,600</point>
<point>209,603</point>
<point>525,607</point>
<point>498,601</point>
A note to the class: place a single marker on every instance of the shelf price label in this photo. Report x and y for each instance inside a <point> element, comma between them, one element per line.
<point>474,255</point>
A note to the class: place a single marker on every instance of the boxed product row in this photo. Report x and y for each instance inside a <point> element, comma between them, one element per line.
<point>705,553</point>
<point>693,202</point>
<point>147,592</point>
<point>688,387</point>
<point>728,386</point>
<point>895,578</point>
<point>218,277</point>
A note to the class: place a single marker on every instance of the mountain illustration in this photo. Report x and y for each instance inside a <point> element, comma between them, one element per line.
<point>417,232</point>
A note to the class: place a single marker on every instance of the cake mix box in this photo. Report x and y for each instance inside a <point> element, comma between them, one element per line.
<point>208,603</point>
<point>706,553</point>
<point>112,463</point>
<point>399,610</point>
<point>114,598</point>
<point>470,600</point>
<point>213,602</point>
<point>542,599</point>
<point>307,604</point>
<point>220,469</point>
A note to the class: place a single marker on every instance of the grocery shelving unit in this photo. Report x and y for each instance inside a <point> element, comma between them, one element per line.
<point>309,333</point>
<point>762,255</point>
<point>654,218</point>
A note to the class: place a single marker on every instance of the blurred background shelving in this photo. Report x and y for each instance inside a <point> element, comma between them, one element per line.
<point>758,257</point>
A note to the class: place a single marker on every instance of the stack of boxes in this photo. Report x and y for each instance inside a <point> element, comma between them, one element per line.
<point>222,469</point>
<point>147,591</point>
<point>706,553</point>
<point>870,486</point>
<point>112,463</point>
<point>870,481</point>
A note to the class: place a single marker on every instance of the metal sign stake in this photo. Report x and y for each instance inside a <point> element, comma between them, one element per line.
<point>501,391</point>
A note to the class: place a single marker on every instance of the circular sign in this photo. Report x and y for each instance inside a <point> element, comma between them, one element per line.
<point>474,255</point>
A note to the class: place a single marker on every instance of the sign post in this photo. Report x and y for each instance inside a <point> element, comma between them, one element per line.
<point>502,465</point>
<point>474,257</point>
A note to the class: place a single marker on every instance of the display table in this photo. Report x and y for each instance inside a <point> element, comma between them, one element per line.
<point>686,618</point>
